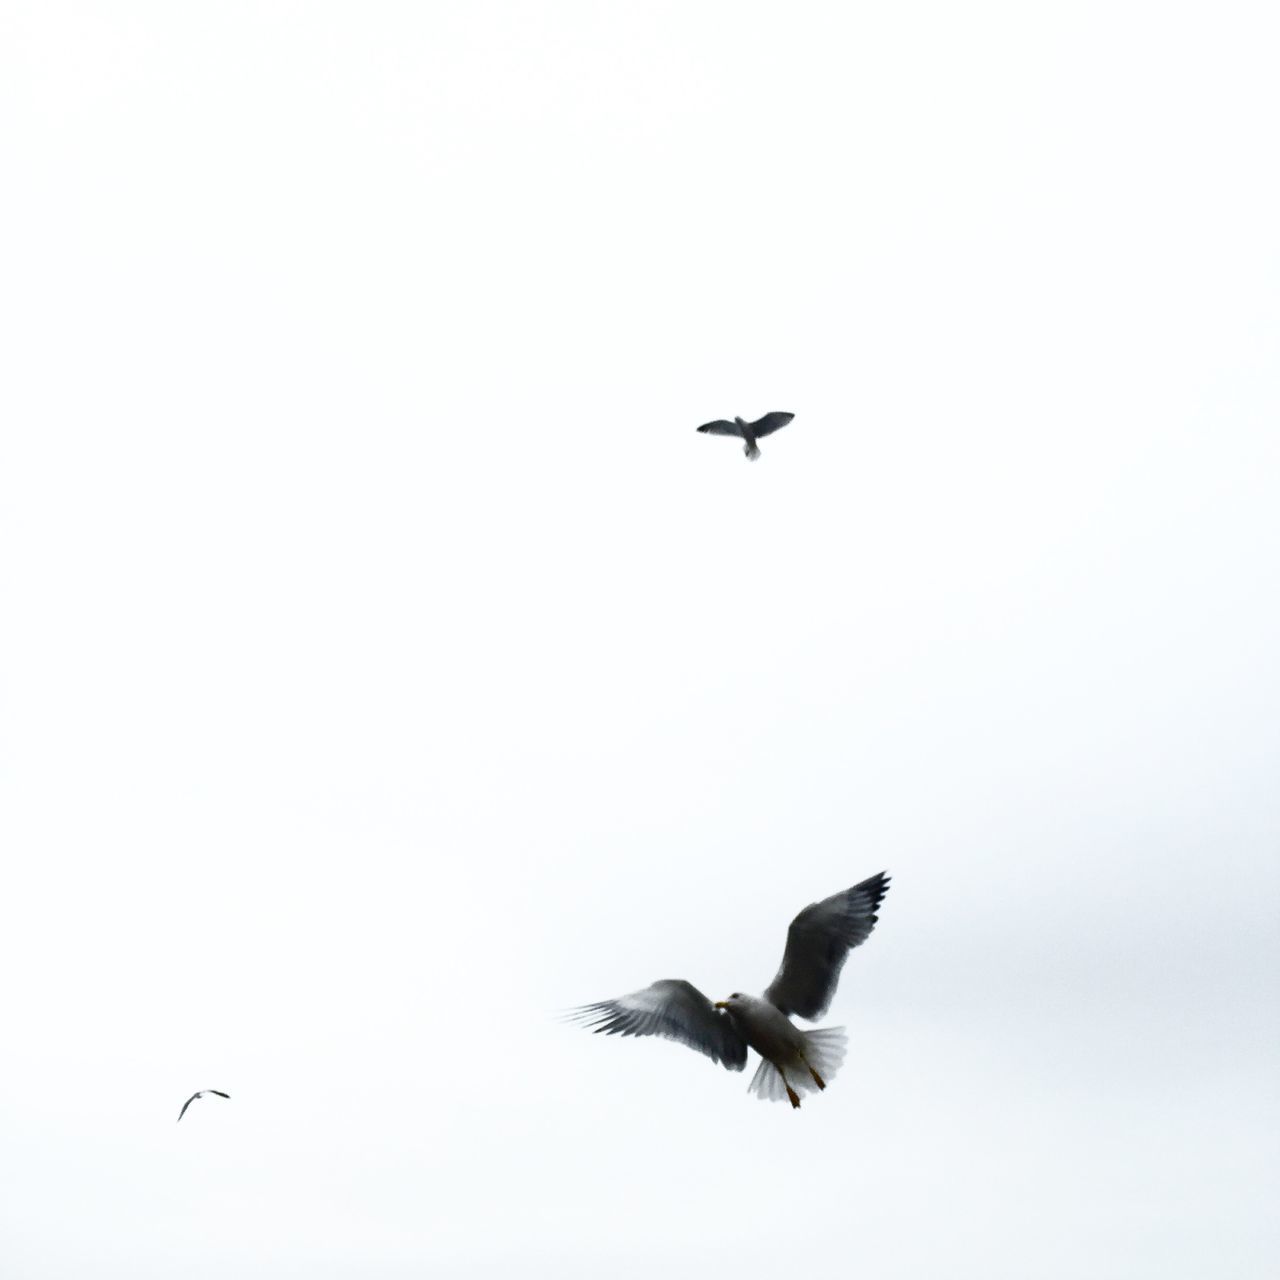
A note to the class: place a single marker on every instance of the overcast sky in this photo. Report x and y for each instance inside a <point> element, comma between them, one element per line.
<point>388,664</point>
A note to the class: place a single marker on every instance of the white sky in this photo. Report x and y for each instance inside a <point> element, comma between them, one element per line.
<point>387,663</point>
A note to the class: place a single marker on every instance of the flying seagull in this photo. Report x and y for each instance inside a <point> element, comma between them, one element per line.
<point>200,1094</point>
<point>792,1061</point>
<point>749,431</point>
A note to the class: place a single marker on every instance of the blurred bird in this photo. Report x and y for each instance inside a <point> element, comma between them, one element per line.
<point>748,431</point>
<point>200,1093</point>
<point>792,1062</point>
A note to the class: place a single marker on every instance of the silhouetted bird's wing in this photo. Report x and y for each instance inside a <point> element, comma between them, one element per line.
<point>770,423</point>
<point>819,942</point>
<point>721,427</point>
<point>675,1010</point>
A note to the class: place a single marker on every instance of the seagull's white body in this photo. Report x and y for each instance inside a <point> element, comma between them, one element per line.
<point>793,1062</point>
<point>765,1029</point>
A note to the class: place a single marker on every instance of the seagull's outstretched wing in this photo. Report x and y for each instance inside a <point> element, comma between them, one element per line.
<point>720,427</point>
<point>218,1092</point>
<point>770,423</point>
<point>186,1104</point>
<point>674,1009</point>
<point>819,942</point>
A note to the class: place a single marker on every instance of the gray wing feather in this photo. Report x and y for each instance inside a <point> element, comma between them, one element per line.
<point>770,423</point>
<point>675,1010</point>
<point>186,1104</point>
<point>721,427</point>
<point>819,942</point>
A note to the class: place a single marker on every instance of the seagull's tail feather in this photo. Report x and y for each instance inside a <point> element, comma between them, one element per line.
<point>770,1084</point>
<point>751,450</point>
<point>824,1051</point>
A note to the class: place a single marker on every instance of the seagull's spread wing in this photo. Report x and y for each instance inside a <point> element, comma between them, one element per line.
<point>186,1104</point>
<point>220,1093</point>
<point>770,423</point>
<point>819,942</point>
<point>674,1009</point>
<point>720,427</point>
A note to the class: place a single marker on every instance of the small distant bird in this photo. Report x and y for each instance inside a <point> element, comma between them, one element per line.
<point>200,1094</point>
<point>793,1062</point>
<point>748,431</point>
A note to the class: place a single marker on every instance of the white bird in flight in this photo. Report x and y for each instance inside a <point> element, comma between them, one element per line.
<point>200,1093</point>
<point>748,431</point>
<point>792,1062</point>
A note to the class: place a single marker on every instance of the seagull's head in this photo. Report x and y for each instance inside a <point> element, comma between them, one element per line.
<point>730,1003</point>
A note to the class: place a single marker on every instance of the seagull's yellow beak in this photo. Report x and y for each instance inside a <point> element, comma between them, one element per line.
<point>720,1004</point>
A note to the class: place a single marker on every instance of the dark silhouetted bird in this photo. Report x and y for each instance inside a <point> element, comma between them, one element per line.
<point>200,1094</point>
<point>748,431</point>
